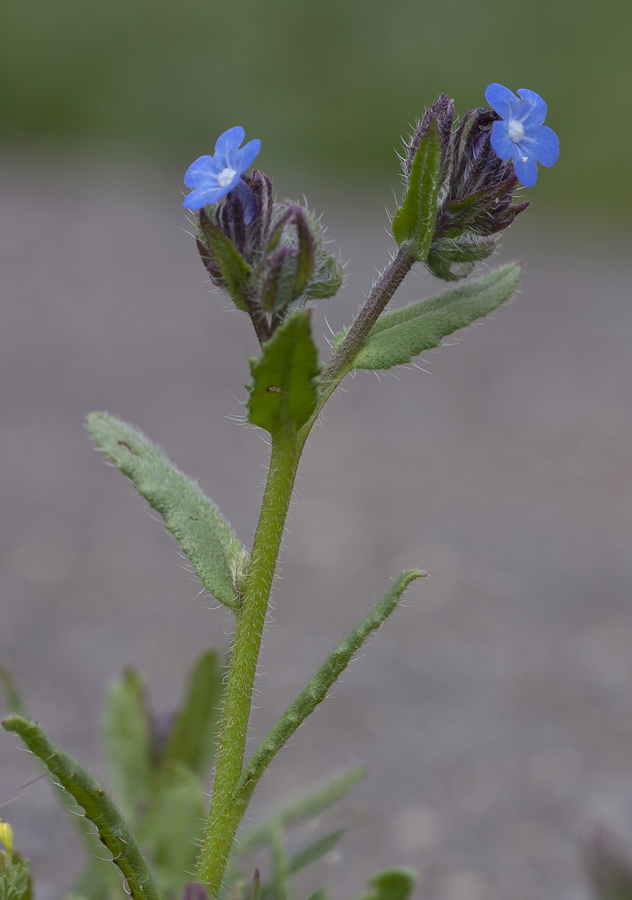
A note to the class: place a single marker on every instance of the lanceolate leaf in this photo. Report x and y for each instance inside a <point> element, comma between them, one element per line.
<point>197,524</point>
<point>316,690</point>
<point>126,733</point>
<point>99,809</point>
<point>176,826</point>
<point>14,698</point>
<point>315,850</point>
<point>401,334</point>
<point>299,809</point>
<point>194,735</point>
<point>414,221</point>
<point>283,389</point>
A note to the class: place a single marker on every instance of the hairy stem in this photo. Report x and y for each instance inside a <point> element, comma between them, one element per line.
<point>381,293</point>
<point>221,826</point>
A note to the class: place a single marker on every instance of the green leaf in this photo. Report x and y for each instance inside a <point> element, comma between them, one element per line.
<point>298,809</point>
<point>113,830</point>
<point>391,884</point>
<point>175,827</point>
<point>197,524</point>
<point>15,883</point>
<point>279,885</point>
<point>193,738</point>
<point>319,894</point>
<point>283,390</point>
<point>235,270</point>
<point>15,702</point>
<point>127,739</point>
<point>317,689</point>
<point>400,334</point>
<point>313,852</point>
<point>415,219</point>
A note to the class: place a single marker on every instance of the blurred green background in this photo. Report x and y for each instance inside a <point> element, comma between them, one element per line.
<point>328,85</point>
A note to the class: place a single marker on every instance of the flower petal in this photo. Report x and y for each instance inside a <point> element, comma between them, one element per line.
<point>532,108</point>
<point>502,100</point>
<point>527,172</point>
<point>202,196</point>
<point>200,171</point>
<point>544,144</point>
<point>245,157</point>
<point>226,147</point>
<point>501,142</point>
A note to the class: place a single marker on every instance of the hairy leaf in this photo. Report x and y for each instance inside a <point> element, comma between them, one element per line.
<point>197,524</point>
<point>126,733</point>
<point>193,738</point>
<point>283,390</point>
<point>99,808</point>
<point>414,221</point>
<point>316,690</point>
<point>401,334</point>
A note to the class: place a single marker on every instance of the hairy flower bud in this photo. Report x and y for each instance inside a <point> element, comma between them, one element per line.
<point>268,256</point>
<point>475,192</point>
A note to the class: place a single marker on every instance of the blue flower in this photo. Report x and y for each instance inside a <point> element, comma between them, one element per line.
<point>521,133</point>
<point>212,177</point>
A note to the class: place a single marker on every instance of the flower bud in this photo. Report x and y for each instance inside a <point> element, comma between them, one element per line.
<point>475,193</point>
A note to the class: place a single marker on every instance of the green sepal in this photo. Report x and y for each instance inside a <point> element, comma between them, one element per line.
<point>414,221</point>
<point>283,390</point>
<point>327,278</point>
<point>235,270</point>
<point>391,884</point>
<point>193,738</point>
<point>205,536</point>
<point>15,881</point>
<point>454,258</point>
<point>127,740</point>
<point>401,334</point>
<point>113,830</point>
<point>175,826</point>
<point>468,207</point>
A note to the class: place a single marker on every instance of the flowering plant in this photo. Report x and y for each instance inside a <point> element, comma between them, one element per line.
<point>270,258</point>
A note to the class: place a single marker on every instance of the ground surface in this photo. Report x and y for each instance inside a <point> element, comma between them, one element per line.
<point>494,713</point>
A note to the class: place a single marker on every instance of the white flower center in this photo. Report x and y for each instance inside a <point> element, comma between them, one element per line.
<point>525,159</point>
<point>226,176</point>
<point>515,130</point>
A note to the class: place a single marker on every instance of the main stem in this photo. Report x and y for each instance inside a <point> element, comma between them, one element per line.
<point>221,827</point>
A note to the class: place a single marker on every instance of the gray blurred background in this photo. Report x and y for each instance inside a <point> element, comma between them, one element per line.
<point>494,712</point>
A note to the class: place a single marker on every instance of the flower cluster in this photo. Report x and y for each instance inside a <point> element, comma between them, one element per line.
<point>268,256</point>
<point>477,179</point>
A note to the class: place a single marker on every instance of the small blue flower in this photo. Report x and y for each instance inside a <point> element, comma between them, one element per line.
<point>521,133</point>
<point>212,177</point>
